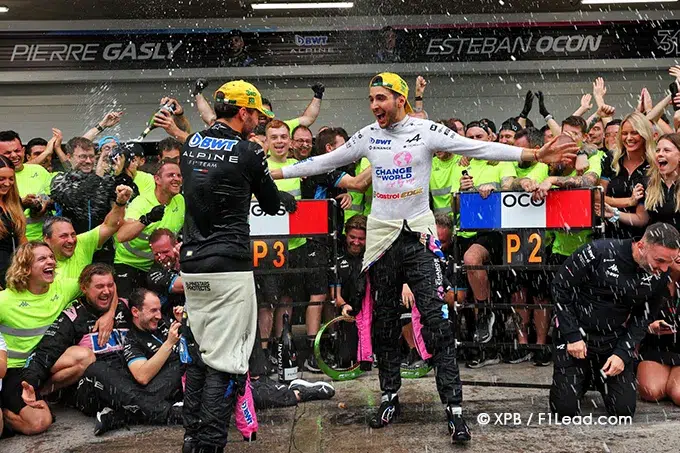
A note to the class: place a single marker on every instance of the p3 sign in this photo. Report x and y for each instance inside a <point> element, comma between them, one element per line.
<point>269,253</point>
<point>523,247</point>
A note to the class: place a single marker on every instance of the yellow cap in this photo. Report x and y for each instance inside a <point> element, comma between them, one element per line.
<point>242,94</point>
<point>393,82</point>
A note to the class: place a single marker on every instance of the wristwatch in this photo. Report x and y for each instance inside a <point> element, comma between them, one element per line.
<point>617,215</point>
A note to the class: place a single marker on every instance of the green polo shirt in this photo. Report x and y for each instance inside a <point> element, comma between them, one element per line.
<point>24,317</point>
<point>88,243</point>
<point>292,186</point>
<point>33,180</point>
<point>137,252</point>
<point>144,182</point>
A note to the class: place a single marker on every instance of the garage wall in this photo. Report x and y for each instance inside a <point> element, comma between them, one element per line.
<point>32,110</point>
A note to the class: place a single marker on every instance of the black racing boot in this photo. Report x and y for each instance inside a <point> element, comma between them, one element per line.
<point>388,411</point>
<point>458,429</point>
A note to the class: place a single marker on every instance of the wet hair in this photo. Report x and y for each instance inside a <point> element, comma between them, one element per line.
<point>19,271</point>
<point>13,207</point>
<point>642,126</point>
<point>325,137</point>
<point>356,222</point>
<point>159,233</point>
<point>616,122</point>
<point>576,121</point>
<point>48,226</point>
<point>444,221</point>
<point>9,136</point>
<point>137,298</point>
<point>169,143</point>
<point>275,124</point>
<point>91,270</point>
<point>164,163</point>
<point>654,193</point>
<point>268,102</point>
<point>301,128</point>
<point>79,142</point>
<point>663,234</point>
<point>34,142</point>
<point>479,124</point>
<point>534,137</point>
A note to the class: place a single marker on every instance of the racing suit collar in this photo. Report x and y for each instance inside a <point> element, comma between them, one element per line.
<point>224,129</point>
<point>399,124</point>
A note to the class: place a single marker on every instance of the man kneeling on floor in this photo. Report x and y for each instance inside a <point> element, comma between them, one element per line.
<point>105,383</point>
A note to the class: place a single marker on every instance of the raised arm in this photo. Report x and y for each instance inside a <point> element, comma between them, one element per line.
<point>312,111</point>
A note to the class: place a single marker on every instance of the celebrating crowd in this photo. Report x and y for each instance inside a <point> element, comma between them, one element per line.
<point>127,278</point>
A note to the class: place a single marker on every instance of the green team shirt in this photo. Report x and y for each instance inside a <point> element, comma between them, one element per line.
<point>33,180</point>
<point>538,172</point>
<point>32,313</point>
<point>368,195</point>
<point>441,183</point>
<point>482,173</point>
<point>144,182</point>
<point>136,252</point>
<point>567,243</point>
<point>292,186</point>
<point>292,125</point>
<point>88,243</point>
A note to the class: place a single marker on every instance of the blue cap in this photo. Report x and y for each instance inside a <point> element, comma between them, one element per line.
<point>107,139</point>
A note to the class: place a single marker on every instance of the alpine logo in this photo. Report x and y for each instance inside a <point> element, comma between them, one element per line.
<point>388,414</point>
<point>414,139</point>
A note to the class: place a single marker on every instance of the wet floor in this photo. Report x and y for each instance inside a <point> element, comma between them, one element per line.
<point>339,425</point>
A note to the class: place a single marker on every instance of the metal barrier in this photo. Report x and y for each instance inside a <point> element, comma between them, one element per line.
<point>270,236</point>
<point>522,222</point>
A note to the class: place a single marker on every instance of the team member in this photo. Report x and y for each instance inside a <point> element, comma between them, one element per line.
<point>74,252</point>
<point>273,289</point>
<point>481,248</point>
<point>662,203</point>
<point>163,208</point>
<point>657,373</point>
<point>73,332</point>
<point>605,295</point>
<point>3,371</point>
<point>12,219</point>
<point>624,174</point>
<point>33,182</point>
<point>163,277</point>
<point>401,223</point>
<point>29,305</point>
<point>528,179</point>
<point>216,261</point>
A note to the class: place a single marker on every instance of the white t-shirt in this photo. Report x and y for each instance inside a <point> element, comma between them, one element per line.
<point>401,159</point>
<point>3,347</point>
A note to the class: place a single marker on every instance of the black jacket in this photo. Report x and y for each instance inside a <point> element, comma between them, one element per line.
<point>603,294</point>
<point>74,328</point>
<point>221,173</point>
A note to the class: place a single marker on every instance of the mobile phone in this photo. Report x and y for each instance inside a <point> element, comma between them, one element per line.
<point>465,173</point>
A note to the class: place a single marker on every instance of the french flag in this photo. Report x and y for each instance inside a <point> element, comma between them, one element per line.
<point>310,218</point>
<point>509,210</point>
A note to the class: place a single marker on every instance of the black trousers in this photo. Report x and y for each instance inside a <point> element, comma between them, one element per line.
<point>209,399</point>
<point>571,377</point>
<point>108,384</point>
<point>412,259</point>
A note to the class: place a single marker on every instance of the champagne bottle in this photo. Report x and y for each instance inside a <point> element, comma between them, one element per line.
<point>168,107</point>
<point>286,354</point>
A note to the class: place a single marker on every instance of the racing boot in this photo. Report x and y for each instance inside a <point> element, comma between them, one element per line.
<point>458,429</point>
<point>389,410</point>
